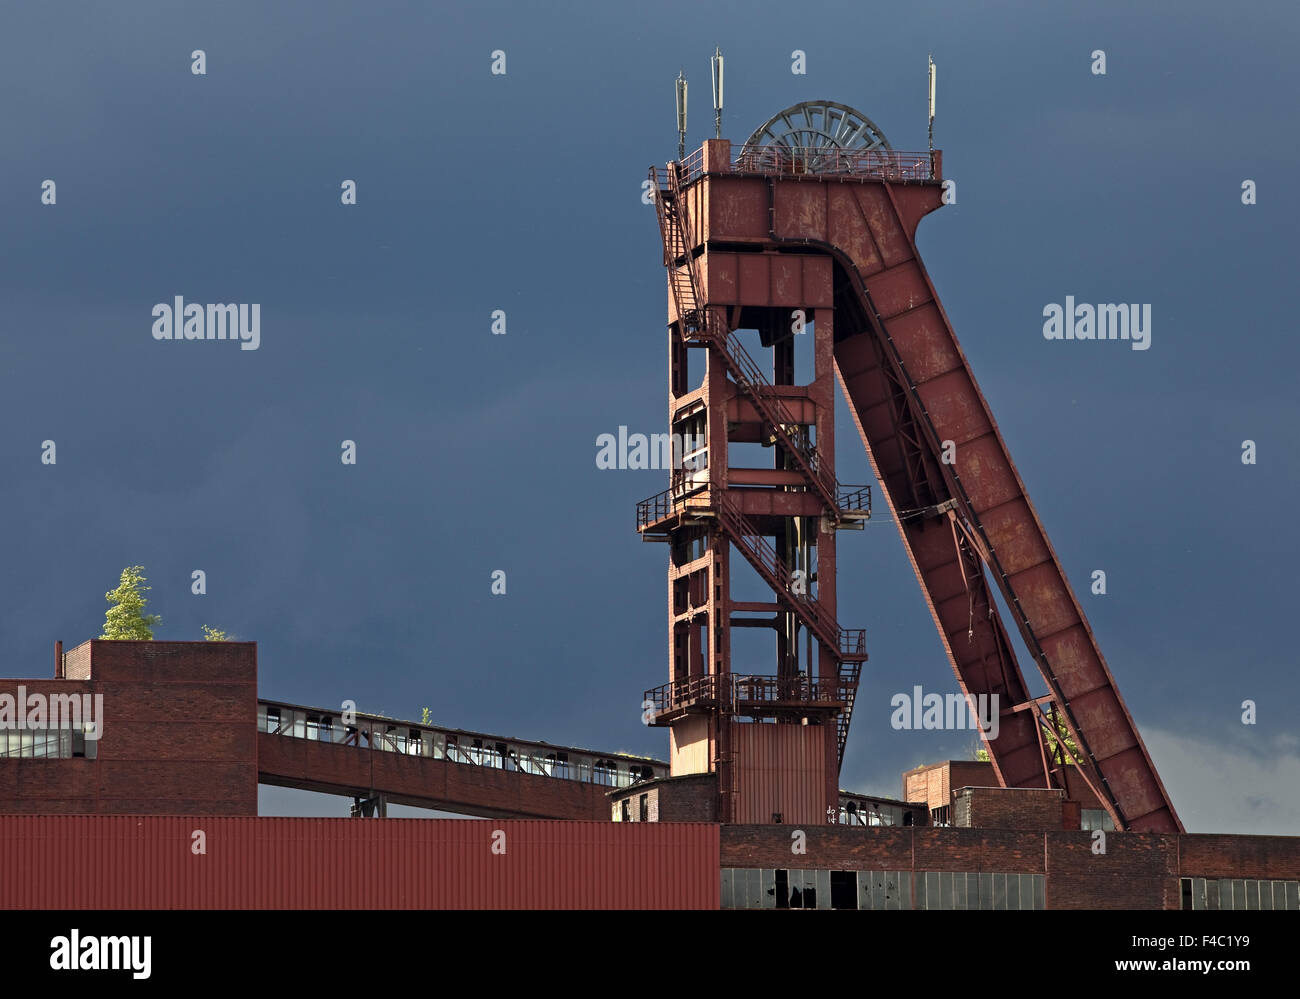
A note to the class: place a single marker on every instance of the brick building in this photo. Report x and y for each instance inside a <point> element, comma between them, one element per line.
<point>176,729</point>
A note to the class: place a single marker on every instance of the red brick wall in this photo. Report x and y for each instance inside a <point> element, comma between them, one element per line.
<point>1003,850</point>
<point>970,773</point>
<point>690,798</point>
<point>76,663</point>
<point>1011,807</point>
<point>1071,815</point>
<point>1220,856</point>
<point>935,783</point>
<point>179,733</point>
<point>839,848</point>
<point>1137,870</point>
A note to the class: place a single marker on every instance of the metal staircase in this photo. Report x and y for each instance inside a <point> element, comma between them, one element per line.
<point>698,324</point>
<point>849,646</point>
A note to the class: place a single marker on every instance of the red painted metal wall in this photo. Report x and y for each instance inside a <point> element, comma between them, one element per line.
<point>147,862</point>
<point>781,770</point>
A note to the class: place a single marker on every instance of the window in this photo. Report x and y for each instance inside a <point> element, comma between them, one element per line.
<point>885,890</point>
<point>1096,818</point>
<point>1237,893</point>
<point>844,889</point>
<point>994,890</point>
<point>798,889</point>
<point>40,744</point>
<point>745,888</point>
<point>645,808</point>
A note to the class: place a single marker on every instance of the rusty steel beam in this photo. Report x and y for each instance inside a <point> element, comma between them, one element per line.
<point>967,526</point>
<point>906,338</point>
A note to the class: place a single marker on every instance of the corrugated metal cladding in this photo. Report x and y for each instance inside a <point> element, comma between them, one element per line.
<point>147,862</point>
<point>781,769</point>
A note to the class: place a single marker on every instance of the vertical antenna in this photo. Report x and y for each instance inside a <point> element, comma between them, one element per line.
<point>931,57</point>
<point>716,64</point>
<point>681,115</point>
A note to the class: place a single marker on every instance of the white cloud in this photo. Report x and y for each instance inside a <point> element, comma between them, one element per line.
<point>1225,787</point>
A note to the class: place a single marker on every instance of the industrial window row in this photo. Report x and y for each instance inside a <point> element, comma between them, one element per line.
<point>964,890</point>
<point>873,813</point>
<point>456,747</point>
<point>42,744</point>
<point>1239,893</point>
<point>768,888</point>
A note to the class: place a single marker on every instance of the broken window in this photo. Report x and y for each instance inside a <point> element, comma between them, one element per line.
<point>797,889</point>
<point>844,889</point>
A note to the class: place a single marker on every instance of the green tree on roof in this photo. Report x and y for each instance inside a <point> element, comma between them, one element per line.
<point>126,620</point>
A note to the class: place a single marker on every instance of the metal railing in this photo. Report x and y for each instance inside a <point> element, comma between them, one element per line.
<point>794,161</point>
<point>679,693</point>
<point>454,746</point>
<point>742,690</point>
<point>848,642</point>
<point>651,510</point>
<point>853,641</point>
<point>655,508</point>
<point>668,502</point>
<point>785,690</point>
<point>693,166</point>
<point>855,499</point>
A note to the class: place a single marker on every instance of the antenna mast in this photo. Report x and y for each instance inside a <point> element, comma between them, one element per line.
<point>681,115</point>
<point>716,64</point>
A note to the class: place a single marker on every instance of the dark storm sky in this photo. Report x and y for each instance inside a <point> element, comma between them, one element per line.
<point>476,452</point>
